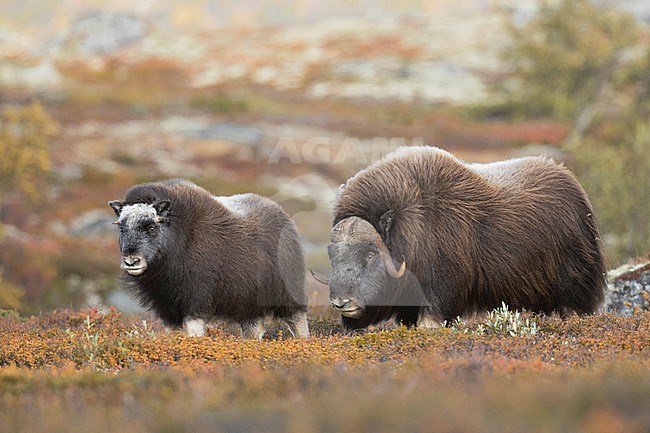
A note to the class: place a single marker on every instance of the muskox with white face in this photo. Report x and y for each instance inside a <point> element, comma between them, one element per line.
<point>191,257</point>
<point>422,237</point>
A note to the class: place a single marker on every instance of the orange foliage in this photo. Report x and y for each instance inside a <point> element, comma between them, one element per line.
<point>56,338</point>
<point>97,369</point>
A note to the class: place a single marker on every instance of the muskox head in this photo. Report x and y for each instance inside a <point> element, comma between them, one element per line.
<point>143,233</point>
<point>363,270</point>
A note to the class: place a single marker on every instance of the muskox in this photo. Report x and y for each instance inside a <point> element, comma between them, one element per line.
<point>423,237</point>
<point>191,257</point>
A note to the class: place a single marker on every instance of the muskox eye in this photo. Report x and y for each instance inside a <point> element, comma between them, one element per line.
<point>370,255</point>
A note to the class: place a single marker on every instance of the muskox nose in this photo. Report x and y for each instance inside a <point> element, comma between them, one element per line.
<point>346,306</point>
<point>130,261</point>
<point>339,303</point>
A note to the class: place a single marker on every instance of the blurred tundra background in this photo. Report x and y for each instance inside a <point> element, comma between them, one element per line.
<point>290,98</point>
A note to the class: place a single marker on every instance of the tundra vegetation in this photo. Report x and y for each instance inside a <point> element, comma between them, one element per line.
<point>24,166</point>
<point>79,370</point>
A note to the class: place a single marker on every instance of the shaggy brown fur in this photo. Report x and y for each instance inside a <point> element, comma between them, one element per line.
<point>473,235</point>
<point>236,258</point>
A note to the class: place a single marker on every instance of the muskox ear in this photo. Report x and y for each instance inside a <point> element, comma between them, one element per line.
<point>385,223</point>
<point>116,205</point>
<point>162,207</point>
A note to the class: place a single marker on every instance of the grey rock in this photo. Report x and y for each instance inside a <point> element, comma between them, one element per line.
<point>96,222</point>
<point>102,32</point>
<point>233,132</point>
<point>628,291</point>
<point>124,301</point>
<point>639,8</point>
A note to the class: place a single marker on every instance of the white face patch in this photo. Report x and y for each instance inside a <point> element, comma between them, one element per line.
<point>131,215</point>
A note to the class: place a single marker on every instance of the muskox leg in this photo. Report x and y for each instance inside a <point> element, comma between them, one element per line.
<point>194,327</point>
<point>253,329</point>
<point>566,312</point>
<point>298,325</point>
<point>428,320</point>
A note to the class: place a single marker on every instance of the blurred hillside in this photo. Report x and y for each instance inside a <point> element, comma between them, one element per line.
<point>401,51</point>
<point>287,99</point>
<point>56,15</point>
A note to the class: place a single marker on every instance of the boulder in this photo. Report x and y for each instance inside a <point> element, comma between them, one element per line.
<point>101,32</point>
<point>628,290</point>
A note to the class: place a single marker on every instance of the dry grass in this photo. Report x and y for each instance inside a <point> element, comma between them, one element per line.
<point>84,370</point>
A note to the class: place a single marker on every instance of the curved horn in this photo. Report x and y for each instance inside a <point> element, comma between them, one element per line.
<point>325,281</point>
<point>390,267</point>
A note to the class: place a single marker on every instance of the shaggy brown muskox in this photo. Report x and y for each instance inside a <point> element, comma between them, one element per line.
<point>192,257</point>
<point>422,237</point>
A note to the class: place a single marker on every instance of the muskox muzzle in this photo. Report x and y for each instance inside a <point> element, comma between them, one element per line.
<point>348,307</point>
<point>134,265</point>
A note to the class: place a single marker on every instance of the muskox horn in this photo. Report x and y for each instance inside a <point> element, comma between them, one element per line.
<point>321,280</point>
<point>390,267</point>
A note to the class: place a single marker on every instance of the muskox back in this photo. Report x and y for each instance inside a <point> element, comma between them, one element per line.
<point>475,235</point>
<point>274,244</point>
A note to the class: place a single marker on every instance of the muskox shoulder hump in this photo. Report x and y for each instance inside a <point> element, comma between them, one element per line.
<point>420,152</point>
<point>247,204</point>
<point>520,174</point>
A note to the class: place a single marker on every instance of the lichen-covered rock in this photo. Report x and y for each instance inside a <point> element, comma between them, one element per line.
<point>628,291</point>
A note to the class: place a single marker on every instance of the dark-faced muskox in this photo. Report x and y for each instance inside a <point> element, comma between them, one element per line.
<point>191,257</point>
<point>422,237</point>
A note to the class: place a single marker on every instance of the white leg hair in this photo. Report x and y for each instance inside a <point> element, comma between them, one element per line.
<point>194,327</point>
<point>428,321</point>
<point>253,329</point>
<point>298,325</point>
